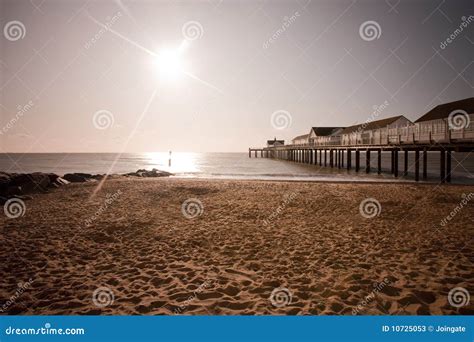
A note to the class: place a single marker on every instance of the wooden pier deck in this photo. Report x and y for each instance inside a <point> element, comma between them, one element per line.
<point>341,156</point>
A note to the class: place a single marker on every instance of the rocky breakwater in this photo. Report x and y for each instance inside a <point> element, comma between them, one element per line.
<point>21,185</point>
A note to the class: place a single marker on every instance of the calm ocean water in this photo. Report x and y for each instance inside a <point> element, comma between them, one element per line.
<point>221,165</point>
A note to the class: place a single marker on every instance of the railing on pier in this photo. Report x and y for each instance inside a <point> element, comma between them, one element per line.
<point>412,134</point>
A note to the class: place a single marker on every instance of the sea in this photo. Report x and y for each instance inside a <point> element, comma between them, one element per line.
<point>228,166</point>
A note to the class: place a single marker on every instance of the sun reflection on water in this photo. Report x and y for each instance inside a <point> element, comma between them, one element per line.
<point>182,162</point>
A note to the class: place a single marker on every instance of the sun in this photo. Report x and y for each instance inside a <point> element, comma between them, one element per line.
<point>170,65</point>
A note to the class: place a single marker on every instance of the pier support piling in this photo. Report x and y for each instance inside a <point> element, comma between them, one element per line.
<point>405,163</point>
<point>392,162</point>
<point>357,155</point>
<point>379,161</point>
<point>425,163</point>
<point>442,166</point>
<point>395,162</point>
<point>349,157</point>
<point>417,165</point>
<point>448,166</point>
<point>367,161</point>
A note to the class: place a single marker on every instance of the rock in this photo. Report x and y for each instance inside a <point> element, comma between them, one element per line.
<point>31,182</point>
<point>61,181</point>
<point>57,181</point>
<point>77,177</point>
<point>52,177</point>
<point>85,175</point>
<point>12,191</point>
<point>5,179</point>
<point>147,173</point>
<point>24,197</point>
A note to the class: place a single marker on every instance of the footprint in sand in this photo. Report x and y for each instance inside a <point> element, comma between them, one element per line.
<point>230,290</point>
<point>425,296</point>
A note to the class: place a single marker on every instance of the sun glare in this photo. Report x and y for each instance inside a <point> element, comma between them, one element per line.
<point>169,64</point>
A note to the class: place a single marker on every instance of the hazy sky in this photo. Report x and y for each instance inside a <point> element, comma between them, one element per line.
<point>81,88</point>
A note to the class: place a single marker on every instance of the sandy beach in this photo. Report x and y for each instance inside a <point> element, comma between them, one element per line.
<point>241,247</point>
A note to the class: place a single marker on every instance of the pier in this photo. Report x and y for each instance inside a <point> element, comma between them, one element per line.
<point>445,129</point>
<point>342,151</point>
<point>348,157</point>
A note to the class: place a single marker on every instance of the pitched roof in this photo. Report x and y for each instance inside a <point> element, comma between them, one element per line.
<point>368,126</point>
<point>324,131</point>
<point>443,110</point>
<point>304,136</point>
<point>271,142</point>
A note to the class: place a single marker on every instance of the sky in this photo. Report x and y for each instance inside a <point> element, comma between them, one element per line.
<point>220,76</point>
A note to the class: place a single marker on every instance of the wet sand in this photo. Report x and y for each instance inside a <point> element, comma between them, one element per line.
<point>242,247</point>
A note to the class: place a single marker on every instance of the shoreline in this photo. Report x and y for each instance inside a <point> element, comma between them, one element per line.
<point>375,182</point>
<point>296,179</point>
